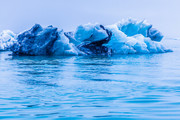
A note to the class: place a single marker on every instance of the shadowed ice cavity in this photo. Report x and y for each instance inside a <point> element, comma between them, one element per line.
<point>125,37</point>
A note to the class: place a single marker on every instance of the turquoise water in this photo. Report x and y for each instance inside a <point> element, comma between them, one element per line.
<point>131,87</point>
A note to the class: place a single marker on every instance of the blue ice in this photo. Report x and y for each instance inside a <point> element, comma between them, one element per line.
<point>125,37</point>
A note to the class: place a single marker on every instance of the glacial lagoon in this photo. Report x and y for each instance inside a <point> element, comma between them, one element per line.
<point>130,87</point>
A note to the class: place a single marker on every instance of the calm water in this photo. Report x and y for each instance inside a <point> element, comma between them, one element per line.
<point>132,87</point>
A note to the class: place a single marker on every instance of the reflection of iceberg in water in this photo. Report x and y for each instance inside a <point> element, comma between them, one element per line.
<point>125,37</point>
<point>7,39</point>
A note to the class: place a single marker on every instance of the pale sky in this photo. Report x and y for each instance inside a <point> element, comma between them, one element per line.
<point>18,15</point>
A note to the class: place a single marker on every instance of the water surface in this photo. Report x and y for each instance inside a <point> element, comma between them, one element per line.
<point>132,87</point>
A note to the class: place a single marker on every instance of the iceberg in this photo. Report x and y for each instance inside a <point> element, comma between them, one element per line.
<point>132,27</point>
<point>90,33</point>
<point>65,46</point>
<point>43,41</point>
<point>7,39</point>
<point>92,37</point>
<point>36,41</point>
<point>131,36</point>
<point>124,37</point>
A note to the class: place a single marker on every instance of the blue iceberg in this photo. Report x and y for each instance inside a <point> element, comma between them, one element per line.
<point>90,33</point>
<point>92,38</point>
<point>36,41</point>
<point>125,37</point>
<point>131,36</point>
<point>133,27</point>
<point>43,41</point>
